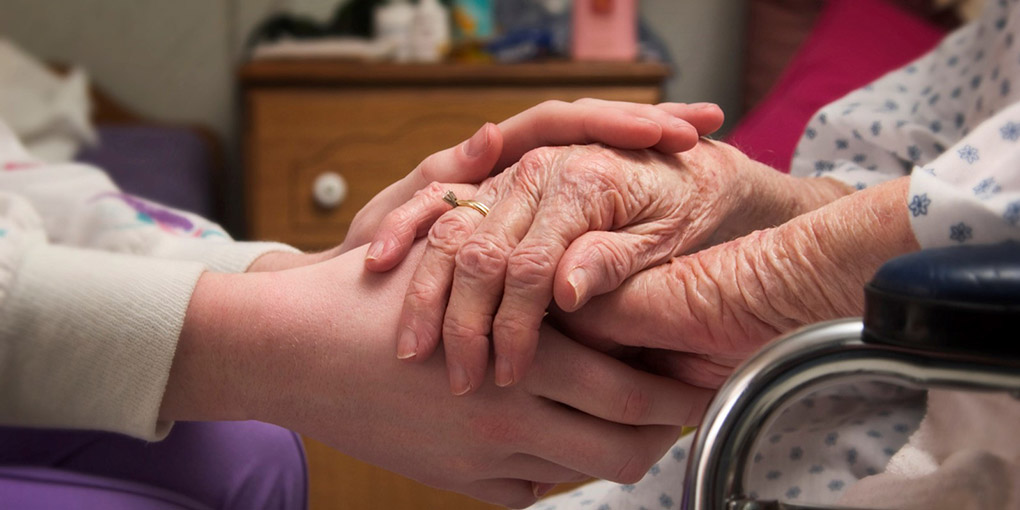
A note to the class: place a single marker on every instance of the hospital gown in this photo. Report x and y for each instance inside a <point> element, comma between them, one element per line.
<point>950,120</point>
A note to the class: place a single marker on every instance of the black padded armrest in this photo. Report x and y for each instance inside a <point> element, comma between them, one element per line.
<point>957,300</point>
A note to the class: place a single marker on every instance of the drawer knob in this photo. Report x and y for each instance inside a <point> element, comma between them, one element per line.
<point>329,190</point>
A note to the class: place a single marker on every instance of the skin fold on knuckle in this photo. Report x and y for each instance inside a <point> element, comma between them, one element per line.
<point>434,189</point>
<point>552,105</point>
<point>467,334</point>
<point>586,101</point>
<point>635,405</point>
<point>423,297</point>
<point>516,332</point>
<point>449,232</point>
<point>402,222</point>
<point>530,267</point>
<point>610,262</point>
<point>633,467</point>
<point>516,338</point>
<point>530,172</point>
<point>479,258</point>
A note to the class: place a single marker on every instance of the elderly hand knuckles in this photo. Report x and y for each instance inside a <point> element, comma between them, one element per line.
<point>531,265</point>
<point>450,230</point>
<point>481,258</point>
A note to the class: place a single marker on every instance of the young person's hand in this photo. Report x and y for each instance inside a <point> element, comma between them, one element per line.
<point>311,349</point>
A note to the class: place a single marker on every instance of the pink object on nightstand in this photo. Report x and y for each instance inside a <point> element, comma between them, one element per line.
<point>604,30</point>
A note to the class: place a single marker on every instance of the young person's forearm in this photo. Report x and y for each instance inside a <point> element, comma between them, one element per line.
<point>209,376</point>
<point>248,339</point>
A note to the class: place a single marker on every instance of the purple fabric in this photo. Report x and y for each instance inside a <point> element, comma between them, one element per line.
<point>170,165</point>
<point>222,465</point>
<point>45,489</point>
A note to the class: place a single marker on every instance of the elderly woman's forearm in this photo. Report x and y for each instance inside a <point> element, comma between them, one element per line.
<point>728,300</point>
<point>837,248</point>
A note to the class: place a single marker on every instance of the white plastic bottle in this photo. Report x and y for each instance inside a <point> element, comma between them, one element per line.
<point>430,32</point>
<point>393,22</point>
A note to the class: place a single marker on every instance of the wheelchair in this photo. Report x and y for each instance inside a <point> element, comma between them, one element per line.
<point>945,318</point>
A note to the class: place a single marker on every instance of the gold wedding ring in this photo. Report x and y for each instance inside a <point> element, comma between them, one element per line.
<point>451,199</point>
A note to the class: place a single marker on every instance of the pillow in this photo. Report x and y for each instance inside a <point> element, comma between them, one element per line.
<point>853,43</point>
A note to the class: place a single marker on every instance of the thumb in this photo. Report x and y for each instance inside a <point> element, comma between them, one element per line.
<point>471,161</point>
<point>697,303</point>
<point>598,262</point>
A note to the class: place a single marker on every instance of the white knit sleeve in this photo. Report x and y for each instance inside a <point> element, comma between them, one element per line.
<point>86,337</point>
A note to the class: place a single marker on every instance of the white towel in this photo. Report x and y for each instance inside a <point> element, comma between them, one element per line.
<point>965,455</point>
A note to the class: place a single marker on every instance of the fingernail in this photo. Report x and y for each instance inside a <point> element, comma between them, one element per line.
<point>541,489</point>
<point>701,106</point>
<point>504,371</point>
<point>578,280</point>
<point>375,251</point>
<point>459,382</point>
<point>407,344</point>
<point>478,142</point>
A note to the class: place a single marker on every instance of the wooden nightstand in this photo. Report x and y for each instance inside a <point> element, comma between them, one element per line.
<point>370,124</point>
<point>332,125</point>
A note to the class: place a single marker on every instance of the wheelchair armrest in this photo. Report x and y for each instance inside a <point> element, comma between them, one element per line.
<point>959,300</point>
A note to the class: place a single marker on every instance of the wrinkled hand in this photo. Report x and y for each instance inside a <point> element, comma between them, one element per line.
<point>667,127</point>
<point>709,310</point>
<point>568,223</point>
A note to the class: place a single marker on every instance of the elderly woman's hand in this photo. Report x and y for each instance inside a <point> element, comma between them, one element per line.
<point>668,127</point>
<point>706,311</point>
<point>572,223</point>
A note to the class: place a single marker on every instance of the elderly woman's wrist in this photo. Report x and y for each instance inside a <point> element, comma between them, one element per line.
<point>756,196</point>
<point>781,197</point>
